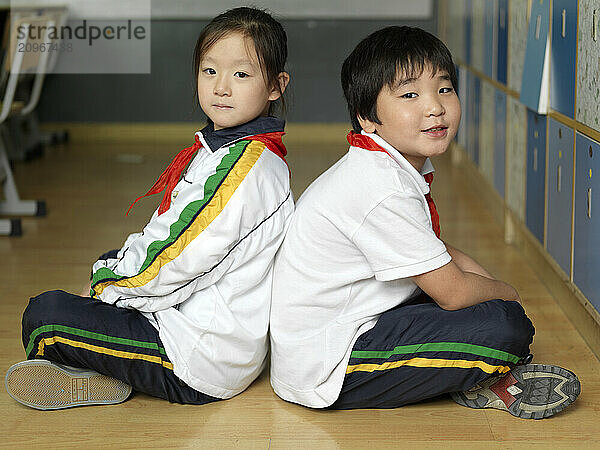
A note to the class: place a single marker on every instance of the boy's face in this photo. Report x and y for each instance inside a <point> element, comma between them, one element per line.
<point>419,117</point>
<point>231,86</point>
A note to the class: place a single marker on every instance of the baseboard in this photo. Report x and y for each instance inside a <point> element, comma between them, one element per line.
<point>183,132</point>
<point>576,307</point>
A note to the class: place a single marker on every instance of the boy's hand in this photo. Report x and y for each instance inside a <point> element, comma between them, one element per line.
<point>452,288</point>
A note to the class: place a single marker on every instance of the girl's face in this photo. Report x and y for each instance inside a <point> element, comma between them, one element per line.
<point>231,86</point>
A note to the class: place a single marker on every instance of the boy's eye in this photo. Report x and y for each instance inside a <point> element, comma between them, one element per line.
<point>409,95</point>
<point>209,71</point>
<point>240,74</point>
<point>445,90</point>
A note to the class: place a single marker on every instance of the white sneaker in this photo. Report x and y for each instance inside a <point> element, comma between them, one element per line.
<point>42,384</point>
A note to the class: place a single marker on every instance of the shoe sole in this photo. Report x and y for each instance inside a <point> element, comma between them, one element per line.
<point>41,384</point>
<point>532,391</point>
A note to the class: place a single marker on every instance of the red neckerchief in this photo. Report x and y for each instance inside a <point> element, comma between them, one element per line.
<point>172,174</point>
<point>365,142</point>
<point>273,142</point>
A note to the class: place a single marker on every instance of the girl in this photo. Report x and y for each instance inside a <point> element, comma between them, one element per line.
<point>181,310</point>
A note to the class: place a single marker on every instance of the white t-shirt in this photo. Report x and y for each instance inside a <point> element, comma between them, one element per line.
<point>359,233</point>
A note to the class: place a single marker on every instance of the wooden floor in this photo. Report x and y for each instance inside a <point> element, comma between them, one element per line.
<point>88,188</point>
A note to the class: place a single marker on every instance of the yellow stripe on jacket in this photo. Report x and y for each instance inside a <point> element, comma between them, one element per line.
<point>200,223</point>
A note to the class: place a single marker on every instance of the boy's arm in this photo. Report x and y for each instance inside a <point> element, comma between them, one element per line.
<point>466,263</point>
<point>453,288</point>
<point>409,248</point>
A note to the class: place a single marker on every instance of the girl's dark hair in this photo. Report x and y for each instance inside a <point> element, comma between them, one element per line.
<point>269,37</point>
<point>384,55</point>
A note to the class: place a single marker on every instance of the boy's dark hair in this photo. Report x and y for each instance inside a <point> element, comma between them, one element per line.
<point>383,56</point>
<point>269,37</point>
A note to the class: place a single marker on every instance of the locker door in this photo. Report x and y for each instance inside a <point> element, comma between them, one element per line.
<point>478,35</point>
<point>468,14</point>
<point>500,142</point>
<point>463,95</point>
<point>474,112</point>
<point>586,262</point>
<point>502,45</point>
<point>564,45</point>
<point>536,174</point>
<point>486,131</point>
<point>560,193</point>
<point>489,53</point>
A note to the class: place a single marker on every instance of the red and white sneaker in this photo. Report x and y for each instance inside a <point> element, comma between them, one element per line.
<point>532,391</point>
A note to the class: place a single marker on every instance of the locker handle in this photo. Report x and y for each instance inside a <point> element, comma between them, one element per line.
<point>535,159</point>
<point>594,25</point>
<point>558,178</point>
<point>538,24</point>
<point>564,22</point>
<point>589,202</point>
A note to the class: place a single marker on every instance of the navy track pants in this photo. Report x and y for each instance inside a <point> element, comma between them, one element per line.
<point>420,351</point>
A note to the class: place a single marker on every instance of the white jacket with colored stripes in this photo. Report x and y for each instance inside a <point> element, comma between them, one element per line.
<point>201,271</point>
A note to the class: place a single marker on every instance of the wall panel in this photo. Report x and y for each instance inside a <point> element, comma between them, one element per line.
<point>517,42</point>
<point>588,64</point>
<point>515,154</point>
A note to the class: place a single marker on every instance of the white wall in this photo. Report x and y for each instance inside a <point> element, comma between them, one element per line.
<point>202,9</point>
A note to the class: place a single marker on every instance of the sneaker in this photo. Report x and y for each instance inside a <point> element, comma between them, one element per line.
<point>532,391</point>
<point>42,384</point>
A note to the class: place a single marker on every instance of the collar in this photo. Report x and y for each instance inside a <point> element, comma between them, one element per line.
<point>403,162</point>
<point>214,140</point>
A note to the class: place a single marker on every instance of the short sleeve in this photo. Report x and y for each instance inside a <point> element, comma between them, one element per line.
<point>397,239</point>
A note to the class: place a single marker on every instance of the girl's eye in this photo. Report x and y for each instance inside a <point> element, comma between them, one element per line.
<point>409,95</point>
<point>446,90</point>
<point>209,71</point>
<point>241,75</point>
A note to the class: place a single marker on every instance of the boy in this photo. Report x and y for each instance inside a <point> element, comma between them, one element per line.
<point>370,308</point>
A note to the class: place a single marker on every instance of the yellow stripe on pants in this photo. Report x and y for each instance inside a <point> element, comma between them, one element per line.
<point>425,362</point>
<point>103,350</point>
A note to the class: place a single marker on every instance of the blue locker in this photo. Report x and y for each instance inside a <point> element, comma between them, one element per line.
<point>586,262</point>
<point>468,112</point>
<point>500,142</point>
<point>564,45</point>
<point>463,95</point>
<point>535,62</point>
<point>536,174</point>
<point>468,13</point>
<point>488,45</point>
<point>560,193</point>
<point>474,113</point>
<point>502,45</point>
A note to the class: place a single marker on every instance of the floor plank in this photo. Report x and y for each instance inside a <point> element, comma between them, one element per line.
<point>88,188</point>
